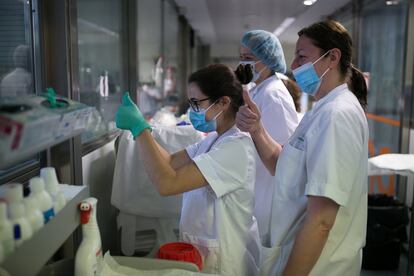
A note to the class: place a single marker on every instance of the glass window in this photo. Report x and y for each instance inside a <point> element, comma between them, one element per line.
<point>381,57</point>
<point>102,74</point>
<point>150,61</point>
<point>15,49</point>
<point>16,66</point>
<point>170,85</point>
<point>157,55</point>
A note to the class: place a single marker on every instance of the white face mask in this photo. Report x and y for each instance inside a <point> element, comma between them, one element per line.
<point>256,74</point>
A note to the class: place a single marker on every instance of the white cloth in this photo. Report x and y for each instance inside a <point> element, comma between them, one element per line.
<point>132,190</point>
<point>280,119</point>
<point>391,163</point>
<point>218,218</point>
<point>327,157</point>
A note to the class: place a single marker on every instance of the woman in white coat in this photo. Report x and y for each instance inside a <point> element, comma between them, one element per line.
<point>319,211</point>
<point>215,175</point>
<point>261,57</point>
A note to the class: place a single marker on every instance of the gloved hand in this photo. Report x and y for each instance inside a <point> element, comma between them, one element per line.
<point>129,117</point>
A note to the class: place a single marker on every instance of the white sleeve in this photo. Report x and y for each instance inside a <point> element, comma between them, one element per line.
<point>276,118</point>
<point>192,149</point>
<point>226,166</point>
<point>334,154</point>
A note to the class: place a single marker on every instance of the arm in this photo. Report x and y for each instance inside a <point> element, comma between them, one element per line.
<point>320,218</point>
<point>168,181</point>
<point>176,160</point>
<point>171,174</point>
<point>248,119</point>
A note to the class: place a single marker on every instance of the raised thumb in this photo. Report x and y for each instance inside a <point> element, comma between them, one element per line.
<point>249,102</point>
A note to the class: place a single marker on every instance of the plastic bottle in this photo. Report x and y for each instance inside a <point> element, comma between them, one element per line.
<point>33,213</point>
<point>21,226</point>
<point>43,200</point>
<point>6,231</point>
<point>89,255</point>
<point>13,193</point>
<point>52,187</point>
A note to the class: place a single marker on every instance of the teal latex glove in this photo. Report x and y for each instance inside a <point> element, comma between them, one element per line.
<point>129,117</point>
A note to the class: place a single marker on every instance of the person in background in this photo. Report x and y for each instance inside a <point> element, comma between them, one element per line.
<point>261,56</point>
<point>215,175</point>
<point>293,89</point>
<point>319,212</point>
<point>19,81</point>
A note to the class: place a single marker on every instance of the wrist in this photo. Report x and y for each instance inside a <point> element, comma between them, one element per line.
<point>139,128</point>
<point>256,133</point>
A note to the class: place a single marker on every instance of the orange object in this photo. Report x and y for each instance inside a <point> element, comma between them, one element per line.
<point>180,251</point>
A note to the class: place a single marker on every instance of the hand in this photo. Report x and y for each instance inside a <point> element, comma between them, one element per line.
<point>244,73</point>
<point>129,117</point>
<point>248,116</point>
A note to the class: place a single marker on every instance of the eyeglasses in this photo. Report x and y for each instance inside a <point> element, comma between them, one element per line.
<point>194,103</point>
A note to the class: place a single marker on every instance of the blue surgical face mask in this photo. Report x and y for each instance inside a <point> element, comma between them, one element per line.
<point>307,78</point>
<point>252,63</point>
<point>198,120</point>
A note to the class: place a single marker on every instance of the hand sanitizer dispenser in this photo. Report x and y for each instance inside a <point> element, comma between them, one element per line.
<point>89,255</point>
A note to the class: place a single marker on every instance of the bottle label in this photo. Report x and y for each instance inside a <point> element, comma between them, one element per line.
<point>48,214</point>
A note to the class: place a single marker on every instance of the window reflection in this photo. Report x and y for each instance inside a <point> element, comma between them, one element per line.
<point>16,73</point>
<point>18,82</point>
<point>157,62</point>
<point>15,50</point>
<point>102,77</point>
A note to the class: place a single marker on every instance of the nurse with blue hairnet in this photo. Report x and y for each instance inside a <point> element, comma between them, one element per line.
<point>261,62</point>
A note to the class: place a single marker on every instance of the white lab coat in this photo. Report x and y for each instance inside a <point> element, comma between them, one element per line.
<point>280,119</point>
<point>218,218</point>
<point>327,157</point>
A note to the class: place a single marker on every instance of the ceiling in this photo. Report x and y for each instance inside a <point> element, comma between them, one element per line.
<point>225,21</point>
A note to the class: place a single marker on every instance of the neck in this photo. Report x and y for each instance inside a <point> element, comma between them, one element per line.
<point>264,75</point>
<point>331,80</point>
<point>224,125</point>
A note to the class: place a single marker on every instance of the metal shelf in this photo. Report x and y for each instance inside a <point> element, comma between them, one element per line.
<point>31,256</point>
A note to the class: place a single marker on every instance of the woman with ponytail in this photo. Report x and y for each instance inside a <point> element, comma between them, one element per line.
<point>319,212</point>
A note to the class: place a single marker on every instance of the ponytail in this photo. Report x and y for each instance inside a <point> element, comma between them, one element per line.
<point>358,86</point>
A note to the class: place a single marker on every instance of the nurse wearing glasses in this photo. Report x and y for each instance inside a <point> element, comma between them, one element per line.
<point>216,175</point>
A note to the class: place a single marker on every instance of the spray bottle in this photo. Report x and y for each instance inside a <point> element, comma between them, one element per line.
<point>89,255</point>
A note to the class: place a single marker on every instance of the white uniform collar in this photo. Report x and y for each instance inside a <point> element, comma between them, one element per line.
<point>253,91</point>
<point>331,95</point>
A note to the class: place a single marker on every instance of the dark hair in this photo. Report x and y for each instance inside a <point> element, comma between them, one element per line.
<point>330,34</point>
<point>218,80</point>
<point>294,91</point>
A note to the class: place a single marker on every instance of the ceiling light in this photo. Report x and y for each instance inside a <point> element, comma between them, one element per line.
<point>309,2</point>
<point>392,2</point>
<point>283,26</point>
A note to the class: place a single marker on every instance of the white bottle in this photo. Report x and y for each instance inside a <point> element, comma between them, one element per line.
<point>52,187</point>
<point>33,213</point>
<point>6,231</point>
<point>89,255</point>
<point>21,226</point>
<point>13,193</point>
<point>43,199</point>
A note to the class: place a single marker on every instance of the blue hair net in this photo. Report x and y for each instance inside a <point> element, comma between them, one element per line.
<point>266,47</point>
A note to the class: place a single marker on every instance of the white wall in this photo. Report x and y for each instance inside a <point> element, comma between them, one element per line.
<point>97,170</point>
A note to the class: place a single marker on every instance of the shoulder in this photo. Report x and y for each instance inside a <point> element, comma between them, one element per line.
<point>343,113</point>
<point>238,143</point>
